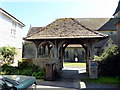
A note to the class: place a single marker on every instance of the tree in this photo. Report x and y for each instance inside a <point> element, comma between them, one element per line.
<point>7,54</point>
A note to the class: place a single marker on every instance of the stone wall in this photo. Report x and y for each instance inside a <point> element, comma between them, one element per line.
<point>41,62</point>
<point>29,50</point>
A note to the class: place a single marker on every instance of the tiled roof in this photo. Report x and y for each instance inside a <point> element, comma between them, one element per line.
<point>117,9</point>
<point>100,24</point>
<point>33,30</point>
<point>65,28</point>
<point>109,25</point>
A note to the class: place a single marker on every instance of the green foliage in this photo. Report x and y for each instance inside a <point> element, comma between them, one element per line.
<point>109,64</point>
<point>7,54</point>
<point>105,79</point>
<point>24,64</point>
<point>97,58</point>
<point>39,74</point>
<point>110,52</point>
<point>24,68</point>
<point>7,68</point>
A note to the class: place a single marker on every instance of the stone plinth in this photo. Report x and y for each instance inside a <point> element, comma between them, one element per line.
<point>41,62</point>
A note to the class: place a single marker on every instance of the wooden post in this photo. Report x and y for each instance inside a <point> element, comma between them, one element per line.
<point>91,48</point>
<point>56,50</point>
<point>43,50</point>
<point>56,55</point>
<point>48,50</point>
<point>36,45</point>
<point>61,58</point>
<point>87,60</point>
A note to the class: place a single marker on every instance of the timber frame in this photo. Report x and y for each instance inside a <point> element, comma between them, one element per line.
<point>59,34</point>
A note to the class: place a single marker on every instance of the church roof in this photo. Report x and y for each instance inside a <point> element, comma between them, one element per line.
<point>109,25</point>
<point>65,28</point>
<point>99,24</point>
<point>33,30</point>
<point>117,9</point>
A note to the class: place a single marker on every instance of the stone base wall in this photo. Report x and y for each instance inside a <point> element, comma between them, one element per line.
<point>41,62</point>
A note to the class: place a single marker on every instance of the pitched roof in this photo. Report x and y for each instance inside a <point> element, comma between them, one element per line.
<point>11,16</point>
<point>117,9</point>
<point>33,30</point>
<point>65,28</point>
<point>100,24</point>
<point>109,26</point>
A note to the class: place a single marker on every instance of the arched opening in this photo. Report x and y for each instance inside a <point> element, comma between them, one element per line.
<point>69,52</point>
<point>45,49</point>
<point>74,53</point>
<point>72,69</point>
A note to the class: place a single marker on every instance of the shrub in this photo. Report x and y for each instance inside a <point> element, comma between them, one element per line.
<point>110,62</point>
<point>7,69</point>
<point>24,64</point>
<point>39,75</point>
<point>24,68</point>
<point>7,54</point>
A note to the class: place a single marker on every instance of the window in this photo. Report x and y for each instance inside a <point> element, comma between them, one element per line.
<point>13,30</point>
<point>13,24</point>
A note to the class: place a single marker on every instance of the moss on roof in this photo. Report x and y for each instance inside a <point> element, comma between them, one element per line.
<point>65,28</point>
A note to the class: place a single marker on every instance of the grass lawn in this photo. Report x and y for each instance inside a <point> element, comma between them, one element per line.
<point>74,64</point>
<point>105,79</point>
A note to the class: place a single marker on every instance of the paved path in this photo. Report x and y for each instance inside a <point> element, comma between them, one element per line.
<point>71,79</point>
<point>68,80</point>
